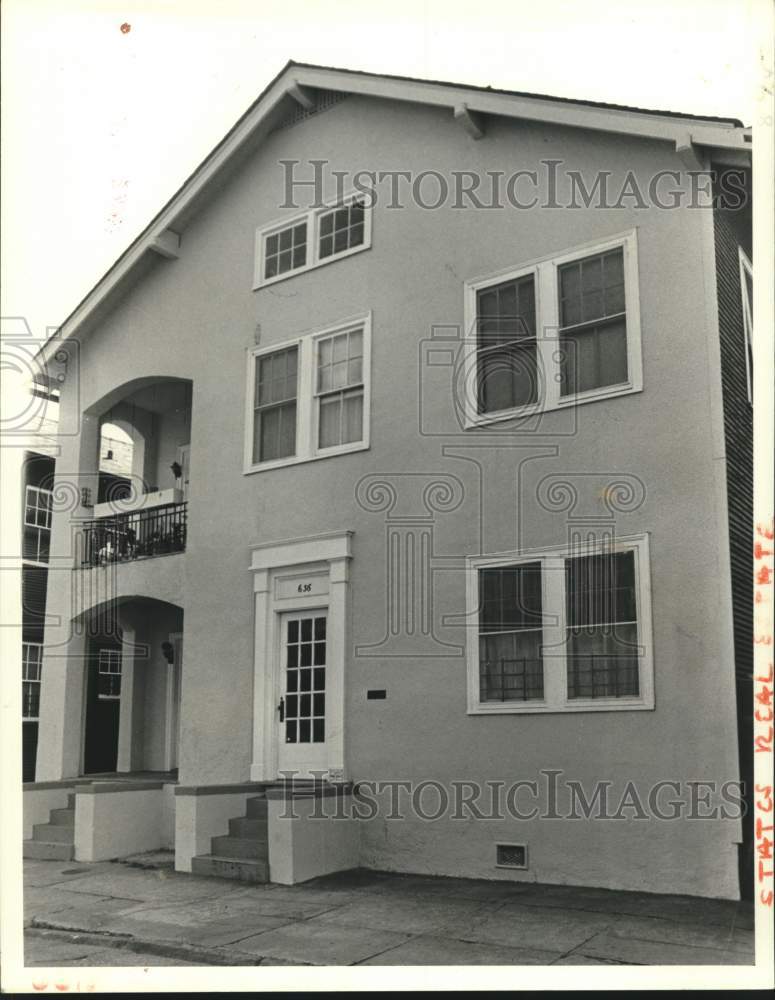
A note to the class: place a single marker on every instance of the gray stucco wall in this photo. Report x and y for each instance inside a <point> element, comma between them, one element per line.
<point>196,317</point>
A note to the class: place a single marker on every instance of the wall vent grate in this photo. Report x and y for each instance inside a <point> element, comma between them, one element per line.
<point>511,856</point>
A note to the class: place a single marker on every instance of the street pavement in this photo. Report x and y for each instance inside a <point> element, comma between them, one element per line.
<point>144,913</point>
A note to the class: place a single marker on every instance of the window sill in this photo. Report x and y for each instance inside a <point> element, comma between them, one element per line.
<point>283,463</point>
<point>520,412</point>
<point>539,708</point>
<point>258,284</point>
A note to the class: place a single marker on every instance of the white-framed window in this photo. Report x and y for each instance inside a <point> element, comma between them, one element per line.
<point>553,332</point>
<point>32,661</point>
<point>37,507</point>
<point>37,524</point>
<point>311,239</point>
<point>561,630</point>
<point>109,674</point>
<point>309,398</point>
<point>746,293</point>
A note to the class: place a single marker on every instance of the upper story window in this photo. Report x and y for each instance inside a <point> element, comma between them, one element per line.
<point>37,523</point>
<point>32,664</point>
<point>309,398</point>
<point>554,332</point>
<point>746,292</point>
<point>274,405</point>
<point>562,630</point>
<point>311,239</point>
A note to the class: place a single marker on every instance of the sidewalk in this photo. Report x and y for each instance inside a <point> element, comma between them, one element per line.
<point>114,913</point>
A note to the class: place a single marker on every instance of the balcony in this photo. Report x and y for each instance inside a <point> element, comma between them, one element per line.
<point>136,534</point>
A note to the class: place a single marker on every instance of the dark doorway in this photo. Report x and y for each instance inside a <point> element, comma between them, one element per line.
<point>103,704</point>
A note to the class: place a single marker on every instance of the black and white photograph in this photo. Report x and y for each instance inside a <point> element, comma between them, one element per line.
<point>387,532</point>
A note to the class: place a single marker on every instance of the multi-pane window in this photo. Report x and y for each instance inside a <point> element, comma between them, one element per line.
<point>37,507</point>
<point>552,333</point>
<point>565,630</point>
<point>593,324</point>
<point>37,523</point>
<point>304,706</point>
<point>507,374</point>
<point>510,665</point>
<point>746,292</point>
<point>602,625</point>
<point>309,398</point>
<point>109,674</point>
<point>32,660</point>
<point>309,240</point>
<point>286,250</point>
<point>340,388</point>
<point>341,229</point>
<point>274,406</point>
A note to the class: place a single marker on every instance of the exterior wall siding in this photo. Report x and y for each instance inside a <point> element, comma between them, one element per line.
<point>733,231</point>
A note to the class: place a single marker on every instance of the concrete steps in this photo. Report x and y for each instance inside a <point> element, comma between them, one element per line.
<point>243,854</point>
<point>42,851</point>
<point>55,840</point>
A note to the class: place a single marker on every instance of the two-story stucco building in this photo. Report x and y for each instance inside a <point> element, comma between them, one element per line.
<point>431,483</point>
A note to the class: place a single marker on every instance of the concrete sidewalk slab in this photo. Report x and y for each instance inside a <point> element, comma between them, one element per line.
<point>315,943</point>
<point>366,918</point>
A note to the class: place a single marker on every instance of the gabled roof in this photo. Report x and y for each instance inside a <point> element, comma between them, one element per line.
<point>294,86</point>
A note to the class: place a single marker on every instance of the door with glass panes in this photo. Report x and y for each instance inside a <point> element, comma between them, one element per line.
<point>301,706</point>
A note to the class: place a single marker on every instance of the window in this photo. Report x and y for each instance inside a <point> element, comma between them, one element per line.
<point>311,239</point>
<point>32,660</point>
<point>37,524</point>
<point>593,327</point>
<point>309,398</point>
<point>340,389</point>
<point>286,250</point>
<point>561,630</point>
<point>510,620</point>
<point>555,332</point>
<point>109,674</point>
<point>602,626</point>
<point>342,229</point>
<point>37,507</point>
<point>506,345</point>
<point>746,291</point>
<point>274,413</point>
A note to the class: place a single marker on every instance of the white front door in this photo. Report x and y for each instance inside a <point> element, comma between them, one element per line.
<point>301,705</point>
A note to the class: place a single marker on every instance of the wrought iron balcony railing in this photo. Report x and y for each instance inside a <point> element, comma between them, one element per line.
<point>137,534</point>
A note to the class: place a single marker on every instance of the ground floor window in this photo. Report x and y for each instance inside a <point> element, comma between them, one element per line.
<point>32,660</point>
<point>109,674</point>
<point>562,629</point>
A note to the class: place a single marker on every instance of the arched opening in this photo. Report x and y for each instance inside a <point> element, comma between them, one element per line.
<point>142,471</point>
<point>133,683</point>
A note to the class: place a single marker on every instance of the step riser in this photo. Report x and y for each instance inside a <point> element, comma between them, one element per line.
<point>257,808</point>
<point>236,847</point>
<point>62,817</point>
<point>242,871</point>
<point>71,800</point>
<point>251,829</point>
<point>48,852</point>
<point>49,833</point>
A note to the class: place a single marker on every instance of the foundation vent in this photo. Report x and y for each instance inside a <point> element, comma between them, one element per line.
<point>511,856</point>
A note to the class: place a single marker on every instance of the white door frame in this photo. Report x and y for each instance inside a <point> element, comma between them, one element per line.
<point>282,572</point>
<point>316,757</point>
<point>172,706</point>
